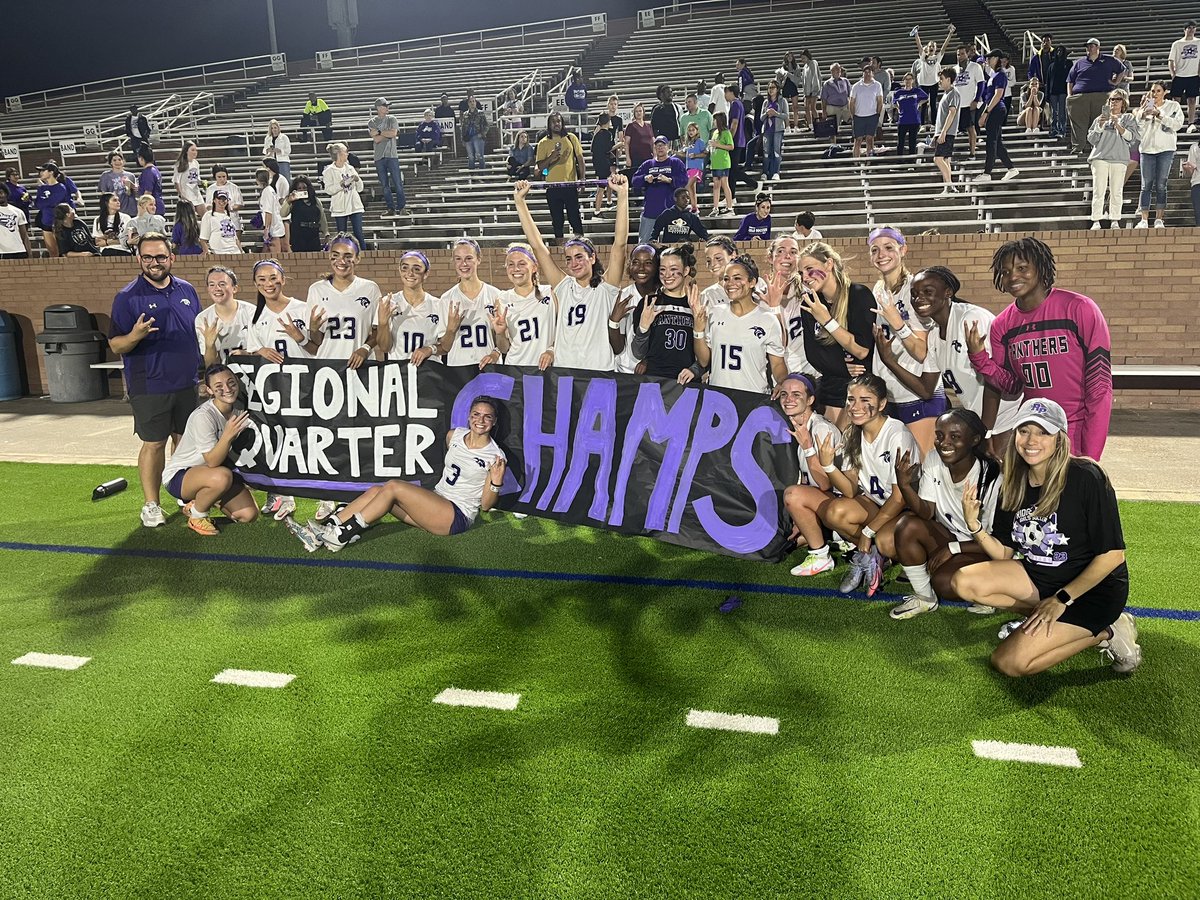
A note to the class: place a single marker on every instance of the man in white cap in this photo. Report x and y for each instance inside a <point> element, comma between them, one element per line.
<point>383,128</point>
<point>1088,84</point>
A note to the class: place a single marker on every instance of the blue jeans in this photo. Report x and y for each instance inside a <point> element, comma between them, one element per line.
<point>285,169</point>
<point>773,148</point>
<point>1058,115</point>
<point>388,170</point>
<point>645,229</point>
<point>475,153</point>
<point>355,220</point>
<point>1155,169</point>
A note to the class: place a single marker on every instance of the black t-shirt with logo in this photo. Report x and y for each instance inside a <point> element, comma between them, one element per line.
<point>1057,548</point>
<point>830,359</point>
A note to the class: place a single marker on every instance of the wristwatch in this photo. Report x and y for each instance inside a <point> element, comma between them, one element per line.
<point>1064,598</point>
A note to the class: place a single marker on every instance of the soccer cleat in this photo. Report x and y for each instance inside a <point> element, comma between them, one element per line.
<point>980,610</point>
<point>287,506</point>
<point>305,535</point>
<point>873,571</point>
<point>204,526</point>
<point>152,515</point>
<point>1009,627</point>
<point>271,507</point>
<point>814,565</point>
<point>325,509</point>
<point>855,576</point>
<point>1011,174</point>
<point>1122,648</point>
<point>913,605</point>
<point>841,545</point>
<point>330,535</point>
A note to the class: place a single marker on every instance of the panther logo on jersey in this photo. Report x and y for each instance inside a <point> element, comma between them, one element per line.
<point>364,302</point>
<point>299,323</point>
<point>957,345</point>
<point>759,332</point>
<point>185,301</point>
<point>479,462</point>
<point>433,317</point>
<point>1039,537</point>
<point>886,456</point>
<point>545,301</point>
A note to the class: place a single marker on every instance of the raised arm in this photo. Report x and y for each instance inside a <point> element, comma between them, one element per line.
<point>540,251</point>
<point>614,273</point>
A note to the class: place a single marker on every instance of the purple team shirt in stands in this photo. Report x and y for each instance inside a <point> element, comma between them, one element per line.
<point>1087,77</point>
<point>166,360</point>
<point>150,182</point>
<point>737,113</point>
<point>657,195</point>
<point>1060,351</point>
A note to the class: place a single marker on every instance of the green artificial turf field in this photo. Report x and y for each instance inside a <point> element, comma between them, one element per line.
<point>134,776</point>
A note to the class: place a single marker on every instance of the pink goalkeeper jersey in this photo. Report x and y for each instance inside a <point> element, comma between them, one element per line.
<point>1060,351</point>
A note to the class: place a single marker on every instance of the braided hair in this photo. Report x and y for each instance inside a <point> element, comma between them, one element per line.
<point>946,276</point>
<point>1035,252</point>
<point>989,469</point>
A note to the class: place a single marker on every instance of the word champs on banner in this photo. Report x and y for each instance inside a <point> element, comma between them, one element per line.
<point>691,465</point>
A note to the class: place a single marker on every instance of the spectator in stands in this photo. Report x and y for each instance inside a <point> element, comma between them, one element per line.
<point>383,129</point>
<point>658,178</point>
<point>639,138</point>
<point>756,224</point>
<point>789,76</point>
<point>218,229</point>
<point>992,120</point>
<point>945,127</point>
<point>17,195</point>
<point>310,226</point>
<point>119,182</point>
<point>835,99</point>
<point>1111,136</point>
<point>72,236</point>
<point>677,222</point>
<point>521,158</point>
<point>150,181</point>
<point>866,101</point>
<point>474,126</point>
<point>560,160</point>
<point>185,234</point>
<point>810,88</point>
<point>1030,117</point>
<point>805,228</point>
<point>282,189</point>
<point>737,127</point>
<point>694,153</point>
<point>465,103</point>
<point>444,110</point>
<point>910,100</point>
<point>926,67</point>
<point>278,146</point>
<point>719,102</point>
<point>109,226</point>
<point>52,190</point>
<point>577,94</point>
<point>747,88</point>
<point>1184,63</point>
<point>1088,83</point>
<point>137,129</point>
<point>720,146</point>
<point>1191,168</point>
<point>269,210</point>
<point>1121,55</point>
<point>14,228</point>
<point>704,95</point>
<point>188,184</point>
<point>604,160</point>
<point>884,77</point>
<point>428,137</point>
<point>969,83</point>
<point>317,114</point>
<point>233,194</point>
<point>343,184</point>
<point>618,124</point>
<point>147,221</point>
<point>1158,122</point>
<point>512,106</point>
<point>664,118</point>
<point>775,116</point>
<point>695,114</point>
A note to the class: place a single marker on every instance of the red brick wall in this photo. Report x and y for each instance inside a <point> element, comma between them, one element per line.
<point>1152,316</point>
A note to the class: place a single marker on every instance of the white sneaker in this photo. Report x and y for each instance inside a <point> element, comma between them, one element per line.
<point>913,605</point>
<point>1141,224</point>
<point>152,515</point>
<point>1192,128</point>
<point>945,191</point>
<point>325,509</point>
<point>775,177</point>
<point>814,565</point>
<point>1095,226</point>
<point>1030,131</point>
<point>1159,223</point>
<point>1115,226</point>
<point>980,610</point>
<point>983,178</point>
<point>1122,648</point>
<point>287,506</point>
<point>1011,174</point>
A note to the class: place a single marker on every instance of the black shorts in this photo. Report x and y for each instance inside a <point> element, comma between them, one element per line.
<point>831,391</point>
<point>1096,609</point>
<point>1185,86</point>
<point>158,416</point>
<point>944,149</point>
<point>967,118</point>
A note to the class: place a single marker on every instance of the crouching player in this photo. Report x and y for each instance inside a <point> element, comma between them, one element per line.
<point>199,474</point>
<point>1060,512</point>
<point>805,499</point>
<point>471,480</point>
<point>932,538</point>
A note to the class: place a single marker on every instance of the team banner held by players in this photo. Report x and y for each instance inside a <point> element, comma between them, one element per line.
<point>691,465</point>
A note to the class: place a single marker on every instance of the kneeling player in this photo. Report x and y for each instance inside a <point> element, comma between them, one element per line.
<point>807,497</point>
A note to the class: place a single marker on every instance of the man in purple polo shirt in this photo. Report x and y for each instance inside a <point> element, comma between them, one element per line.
<point>658,178</point>
<point>737,125</point>
<point>1088,84</point>
<point>154,331</point>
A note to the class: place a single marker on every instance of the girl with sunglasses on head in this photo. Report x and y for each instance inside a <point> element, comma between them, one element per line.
<point>523,324</point>
<point>587,331</point>
<point>806,499</point>
<point>409,322</point>
<point>464,335</point>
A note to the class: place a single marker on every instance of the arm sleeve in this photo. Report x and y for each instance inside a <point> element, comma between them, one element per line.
<point>697,225</point>
<point>1103,516</point>
<point>743,233</point>
<point>121,318</point>
<point>679,172</point>
<point>994,368</point>
<point>1002,526</point>
<point>1097,378</point>
<point>639,177</point>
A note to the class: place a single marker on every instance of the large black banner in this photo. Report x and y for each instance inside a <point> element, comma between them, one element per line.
<point>691,465</point>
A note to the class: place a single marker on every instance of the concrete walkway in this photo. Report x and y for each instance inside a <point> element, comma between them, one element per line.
<point>1150,455</point>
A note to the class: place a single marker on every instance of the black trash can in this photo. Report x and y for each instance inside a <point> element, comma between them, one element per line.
<point>10,369</point>
<point>72,345</point>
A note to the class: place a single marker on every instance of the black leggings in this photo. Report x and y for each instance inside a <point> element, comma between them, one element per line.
<point>907,134</point>
<point>994,139</point>
<point>564,204</point>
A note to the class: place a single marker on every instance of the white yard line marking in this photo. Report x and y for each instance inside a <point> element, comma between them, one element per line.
<point>489,699</point>
<point>703,718</point>
<point>249,678</point>
<point>51,661</point>
<point>1031,753</point>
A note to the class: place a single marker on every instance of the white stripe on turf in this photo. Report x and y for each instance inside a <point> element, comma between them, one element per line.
<point>703,718</point>
<point>51,661</point>
<point>490,699</point>
<point>250,678</point>
<point>1032,753</point>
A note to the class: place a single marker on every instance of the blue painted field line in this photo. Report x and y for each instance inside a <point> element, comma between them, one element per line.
<point>331,562</point>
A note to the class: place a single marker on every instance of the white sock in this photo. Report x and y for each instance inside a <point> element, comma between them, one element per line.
<point>918,577</point>
<point>821,551</point>
<point>196,514</point>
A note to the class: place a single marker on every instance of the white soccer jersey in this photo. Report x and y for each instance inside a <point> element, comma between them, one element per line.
<point>465,473</point>
<point>625,361</point>
<point>793,338</point>
<point>473,341</point>
<point>413,327</point>
<point>963,385</point>
<point>530,325</point>
<point>713,296</point>
<point>231,335</point>
<point>940,489</point>
<point>349,315</point>
<point>819,428</point>
<point>740,346</point>
<point>581,339</point>
<point>897,392</point>
<point>877,474</point>
<point>203,431</point>
<point>267,332</point>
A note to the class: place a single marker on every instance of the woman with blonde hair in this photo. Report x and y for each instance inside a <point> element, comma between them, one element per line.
<point>1112,134</point>
<point>344,185</point>
<point>278,146</point>
<point>188,184</point>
